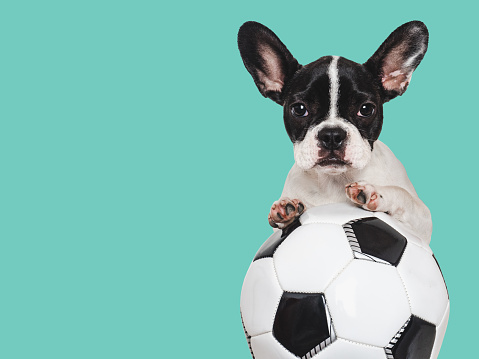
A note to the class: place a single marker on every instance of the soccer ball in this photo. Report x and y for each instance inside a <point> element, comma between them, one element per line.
<point>343,282</point>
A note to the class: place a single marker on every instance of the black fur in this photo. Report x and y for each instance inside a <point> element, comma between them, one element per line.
<point>251,36</point>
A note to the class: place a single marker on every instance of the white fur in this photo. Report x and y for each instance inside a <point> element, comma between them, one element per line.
<point>333,87</point>
<point>383,170</point>
<point>357,149</point>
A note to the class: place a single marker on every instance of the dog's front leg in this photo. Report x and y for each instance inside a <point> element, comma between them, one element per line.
<point>395,201</point>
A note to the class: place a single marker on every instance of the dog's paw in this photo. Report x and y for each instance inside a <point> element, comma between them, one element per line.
<point>364,195</point>
<point>284,211</point>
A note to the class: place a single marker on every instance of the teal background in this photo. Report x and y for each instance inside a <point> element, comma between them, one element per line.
<point>139,161</point>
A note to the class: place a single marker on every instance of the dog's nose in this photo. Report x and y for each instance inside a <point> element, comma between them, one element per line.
<point>331,138</point>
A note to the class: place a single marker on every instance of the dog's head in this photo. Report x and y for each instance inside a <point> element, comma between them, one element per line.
<point>333,107</point>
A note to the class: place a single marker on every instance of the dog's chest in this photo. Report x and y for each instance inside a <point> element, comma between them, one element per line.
<point>327,192</point>
<point>315,190</point>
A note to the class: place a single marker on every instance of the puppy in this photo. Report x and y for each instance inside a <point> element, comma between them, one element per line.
<point>333,114</point>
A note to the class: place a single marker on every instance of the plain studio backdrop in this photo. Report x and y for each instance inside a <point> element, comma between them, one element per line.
<point>139,162</point>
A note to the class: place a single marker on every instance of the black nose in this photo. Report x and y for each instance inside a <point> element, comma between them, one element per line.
<point>331,138</point>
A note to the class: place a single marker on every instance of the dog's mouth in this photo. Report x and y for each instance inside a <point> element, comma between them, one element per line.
<point>331,161</point>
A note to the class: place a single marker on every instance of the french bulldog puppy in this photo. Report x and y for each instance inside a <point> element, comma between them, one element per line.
<point>333,114</point>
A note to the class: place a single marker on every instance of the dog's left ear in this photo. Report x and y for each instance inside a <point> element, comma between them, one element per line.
<point>398,56</point>
<point>267,59</point>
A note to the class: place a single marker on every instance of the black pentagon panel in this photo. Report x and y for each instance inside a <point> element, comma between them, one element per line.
<point>372,239</point>
<point>272,243</point>
<point>415,340</point>
<point>442,275</point>
<point>303,324</point>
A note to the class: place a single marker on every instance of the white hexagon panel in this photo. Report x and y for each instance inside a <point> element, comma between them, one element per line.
<point>260,296</point>
<point>424,284</point>
<point>440,332</point>
<point>346,349</point>
<point>337,213</point>
<point>303,254</point>
<point>265,346</point>
<point>368,303</point>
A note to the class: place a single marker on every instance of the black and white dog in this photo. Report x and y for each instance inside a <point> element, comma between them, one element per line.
<point>333,113</point>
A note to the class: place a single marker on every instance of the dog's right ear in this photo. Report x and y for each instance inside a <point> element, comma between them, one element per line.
<point>398,57</point>
<point>266,59</point>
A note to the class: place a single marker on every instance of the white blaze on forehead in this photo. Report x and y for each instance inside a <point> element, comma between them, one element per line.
<point>333,87</point>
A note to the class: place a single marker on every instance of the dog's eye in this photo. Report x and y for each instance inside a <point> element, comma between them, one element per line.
<point>366,110</point>
<point>299,110</point>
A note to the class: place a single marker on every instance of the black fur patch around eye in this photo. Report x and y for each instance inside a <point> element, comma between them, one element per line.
<point>356,87</point>
<point>311,86</point>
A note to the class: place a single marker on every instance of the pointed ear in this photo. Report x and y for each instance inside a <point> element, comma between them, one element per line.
<point>266,59</point>
<point>398,56</point>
